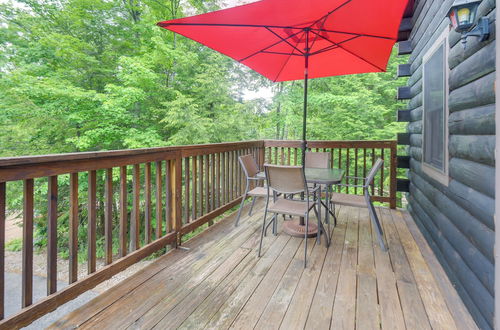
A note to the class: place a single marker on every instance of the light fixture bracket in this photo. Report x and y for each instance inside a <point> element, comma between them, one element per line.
<point>481,31</point>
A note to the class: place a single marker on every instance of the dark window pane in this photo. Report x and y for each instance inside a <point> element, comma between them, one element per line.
<point>434,109</point>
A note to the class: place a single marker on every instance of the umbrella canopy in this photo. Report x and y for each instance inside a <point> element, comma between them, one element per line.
<point>300,39</point>
<point>272,37</point>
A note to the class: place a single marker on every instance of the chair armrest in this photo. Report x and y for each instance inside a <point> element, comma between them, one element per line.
<point>256,178</point>
<point>351,185</point>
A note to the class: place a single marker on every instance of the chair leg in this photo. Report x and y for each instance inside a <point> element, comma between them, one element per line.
<point>263,230</point>
<point>270,223</point>
<point>320,228</point>
<point>241,208</point>
<point>378,227</point>
<point>334,215</point>
<point>251,206</point>
<point>305,237</point>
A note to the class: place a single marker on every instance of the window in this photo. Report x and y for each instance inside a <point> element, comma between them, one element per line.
<point>435,110</point>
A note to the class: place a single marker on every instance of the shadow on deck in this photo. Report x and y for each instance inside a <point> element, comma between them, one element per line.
<point>221,283</point>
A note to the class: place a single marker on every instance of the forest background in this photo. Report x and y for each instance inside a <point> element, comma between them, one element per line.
<point>85,75</point>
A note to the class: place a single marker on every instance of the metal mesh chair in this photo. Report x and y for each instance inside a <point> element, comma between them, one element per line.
<point>290,180</point>
<point>317,159</point>
<point>251,169</point>
<point>363,201</point>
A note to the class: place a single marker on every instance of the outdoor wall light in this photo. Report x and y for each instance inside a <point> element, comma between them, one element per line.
<point>462,15</point>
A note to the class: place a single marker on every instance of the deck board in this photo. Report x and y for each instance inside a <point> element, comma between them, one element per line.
<point>220,283</point>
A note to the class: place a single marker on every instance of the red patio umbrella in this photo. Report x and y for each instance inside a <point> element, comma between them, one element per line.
<point>300,39</point>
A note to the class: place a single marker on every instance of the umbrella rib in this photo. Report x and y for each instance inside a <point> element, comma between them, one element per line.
<point>355,34</point>
<point>350,52</point>
<point>288,59</point>
<point>280,53</point>
<point>330,12</point>
<point>164,25</point>
<point>326,49</point>
<point>266,48</point>
<point>285,40</point>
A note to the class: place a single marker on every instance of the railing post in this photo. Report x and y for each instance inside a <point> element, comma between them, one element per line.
<point>262,155</point>
<point>394,174</point>
<point>176,195</point>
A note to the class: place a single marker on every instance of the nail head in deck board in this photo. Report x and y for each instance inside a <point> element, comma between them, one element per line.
<point>404,70</point>
<point>52,235</point>
<point>3,188</point>
<point>73,228</point>
<point>404,47</point>
<point>27,259</point>
<point>91,224</point>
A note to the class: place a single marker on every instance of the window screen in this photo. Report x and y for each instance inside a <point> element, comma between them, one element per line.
<point>434,89</point>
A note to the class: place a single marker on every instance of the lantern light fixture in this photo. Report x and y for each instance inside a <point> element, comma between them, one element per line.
<point>462,15</point>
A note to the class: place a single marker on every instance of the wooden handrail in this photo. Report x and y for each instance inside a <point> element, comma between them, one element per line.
<point>156,196</point>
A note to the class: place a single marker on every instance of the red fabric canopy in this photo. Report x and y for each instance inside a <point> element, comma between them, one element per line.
<point>271,36</point>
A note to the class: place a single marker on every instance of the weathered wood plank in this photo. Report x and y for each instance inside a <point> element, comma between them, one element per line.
<point>135,215</point>
<point>147,203</point>
<point>320,314</point>
<point>463,319</point>
<point>158,198</point>
<point>344,307</point>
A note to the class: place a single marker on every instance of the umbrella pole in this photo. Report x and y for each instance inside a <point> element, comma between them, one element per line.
<point>304,118</point>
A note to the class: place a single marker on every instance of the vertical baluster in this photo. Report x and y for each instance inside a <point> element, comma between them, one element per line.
<point>194,189</point>
<point>356,170</point>
<point>168,199</point>
<point>91,224</point>
<point>108,216</point>
<point>382,173</point>
<point>201,182</point>
<point>347,164</point>
<point>52,235</point>
<point>212,182</point>
<point>27,275</point>
<point>231,175</point>
<point>123,211</point>
<point>147,206</point>
<point>373,163</point>
<point>228,173</point>
<point>295,151</point>
<point>207,183</point>
<point>223,178</point>
<point>2,248</point>
<point>135,216</point>
<point>73,228</point>
<point>217,179</point>
<point>159,203</point>
<point>364,164</point>
<point>276,161</point>
<point>269,156</point>
<point>187,192</point>
<point>339,189</point>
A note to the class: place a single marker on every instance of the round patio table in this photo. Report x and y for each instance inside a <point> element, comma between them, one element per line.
<point>322,176</point>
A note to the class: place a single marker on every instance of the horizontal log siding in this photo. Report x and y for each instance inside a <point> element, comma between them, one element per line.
<point>457,220</point>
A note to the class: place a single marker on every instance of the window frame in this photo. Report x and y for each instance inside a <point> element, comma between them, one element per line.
<point>442,176</point>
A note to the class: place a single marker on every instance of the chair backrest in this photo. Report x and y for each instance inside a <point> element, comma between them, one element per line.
<point>286,179</point>
<point>371,175</point>
<point>249,165</point>
<point>318,159</point>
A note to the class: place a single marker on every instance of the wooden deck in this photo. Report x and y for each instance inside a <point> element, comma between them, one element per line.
<point>221,283</point>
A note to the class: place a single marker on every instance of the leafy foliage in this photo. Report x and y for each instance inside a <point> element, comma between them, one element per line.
<point>83,75</point>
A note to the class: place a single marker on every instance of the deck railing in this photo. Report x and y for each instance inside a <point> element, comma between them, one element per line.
<point>137,202</point>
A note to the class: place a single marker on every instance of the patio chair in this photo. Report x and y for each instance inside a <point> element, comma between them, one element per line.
<point>285,181</point>
<point>318,159</point>
<point>251,169</point>
<point>362,201</point>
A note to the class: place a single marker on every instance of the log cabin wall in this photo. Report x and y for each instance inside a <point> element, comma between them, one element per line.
<point>457,219</point>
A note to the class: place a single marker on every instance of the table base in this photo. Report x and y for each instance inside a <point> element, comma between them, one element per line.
<point>294,228</point>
